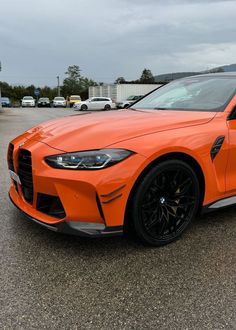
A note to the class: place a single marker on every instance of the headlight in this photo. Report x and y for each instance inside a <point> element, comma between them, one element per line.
<point>88,160</point>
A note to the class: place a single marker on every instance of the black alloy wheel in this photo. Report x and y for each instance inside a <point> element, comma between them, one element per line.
<point>165,202</point>
<point>84,107</point>
<point>107,107</point>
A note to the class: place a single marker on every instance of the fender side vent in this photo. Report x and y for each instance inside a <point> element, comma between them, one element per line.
<point>216,146</point>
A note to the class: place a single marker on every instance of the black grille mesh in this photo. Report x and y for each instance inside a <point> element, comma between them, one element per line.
<point>10,157</point>
<point>25,174</point>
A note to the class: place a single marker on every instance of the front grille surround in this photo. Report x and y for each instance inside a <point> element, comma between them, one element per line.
<point>25,174</point>
<point>10,157</point>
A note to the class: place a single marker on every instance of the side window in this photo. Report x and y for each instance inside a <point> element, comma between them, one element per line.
<point>232,115</point>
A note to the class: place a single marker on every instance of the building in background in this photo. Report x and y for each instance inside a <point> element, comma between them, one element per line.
<point>119,92</point>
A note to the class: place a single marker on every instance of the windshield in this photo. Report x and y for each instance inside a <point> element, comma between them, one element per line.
<point>132,97</point>
<point>75,98</point>
<point>59,99</point>
<point>45,99</point>
<point>28,98</point>
<point>5,99</point>
<point>198,93</point>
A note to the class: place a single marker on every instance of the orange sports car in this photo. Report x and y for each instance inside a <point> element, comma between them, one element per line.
<point>147,169</point>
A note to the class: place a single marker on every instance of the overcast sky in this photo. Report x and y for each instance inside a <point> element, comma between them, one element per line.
<point>112,38</point>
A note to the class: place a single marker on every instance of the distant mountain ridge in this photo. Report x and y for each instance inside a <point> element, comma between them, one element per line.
<point>177,75</point>
<point>229,68</point>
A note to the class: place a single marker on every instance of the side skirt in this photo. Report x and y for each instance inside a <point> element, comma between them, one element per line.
<point>222,203</point>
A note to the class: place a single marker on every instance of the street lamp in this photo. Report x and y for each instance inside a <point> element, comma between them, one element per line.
<point>58,86</point>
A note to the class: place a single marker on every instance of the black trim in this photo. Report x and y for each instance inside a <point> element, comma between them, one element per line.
<point>232,115</point>
<point>25,174</point>
<point>111,200</point>
<point>100,207</point>
<point>217,146</point>
<point>111,194</point>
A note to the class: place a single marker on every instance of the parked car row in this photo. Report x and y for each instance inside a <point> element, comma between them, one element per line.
<point>93,103</point>
<point>105,103</point>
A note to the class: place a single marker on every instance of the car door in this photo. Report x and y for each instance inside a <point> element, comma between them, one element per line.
<point>105,101</point>
<point>99,103</point>
<point>93,104</point>
<point>231,166</point>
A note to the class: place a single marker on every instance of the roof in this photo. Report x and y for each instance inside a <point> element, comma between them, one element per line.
<point>219,74</point>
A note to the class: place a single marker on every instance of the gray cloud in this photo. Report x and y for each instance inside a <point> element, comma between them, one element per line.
<point>108,39</point>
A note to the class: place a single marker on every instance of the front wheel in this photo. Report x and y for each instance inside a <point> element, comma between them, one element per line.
<point>84,107</point>
<point>165,202</point>
<point>107,107</point>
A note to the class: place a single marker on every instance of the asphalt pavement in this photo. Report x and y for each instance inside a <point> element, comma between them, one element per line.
<point>54,281</point>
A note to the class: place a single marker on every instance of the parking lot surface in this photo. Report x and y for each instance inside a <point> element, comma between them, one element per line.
<point>54,281</point>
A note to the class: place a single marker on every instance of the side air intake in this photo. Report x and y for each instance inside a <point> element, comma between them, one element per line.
<point>216,146</point>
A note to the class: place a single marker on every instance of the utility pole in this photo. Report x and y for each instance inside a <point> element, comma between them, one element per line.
<point>58,86</point>
<point>0,89</point>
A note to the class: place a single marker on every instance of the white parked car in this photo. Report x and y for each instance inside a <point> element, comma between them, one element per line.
<point>28,101</point>
<point>128,102</point>
<point>95,103</point>
<point>59,101</point>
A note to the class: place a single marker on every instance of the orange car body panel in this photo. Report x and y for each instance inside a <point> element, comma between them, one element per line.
<point>150,134</point>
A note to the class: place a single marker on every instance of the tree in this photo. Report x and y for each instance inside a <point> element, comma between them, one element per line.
<point>75,84</point>
<point>71,84</point>
<point>120,80</point>
<point>146,77</point>
<point>215,70</point>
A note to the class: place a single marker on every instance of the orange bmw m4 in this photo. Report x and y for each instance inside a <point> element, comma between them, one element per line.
<point>147,169</point>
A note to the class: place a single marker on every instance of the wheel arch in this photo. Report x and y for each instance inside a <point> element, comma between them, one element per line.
<point>170,156</point>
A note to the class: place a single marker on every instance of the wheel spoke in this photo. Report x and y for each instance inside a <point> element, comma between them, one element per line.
<point>152,220</point>
<point>184,186</point>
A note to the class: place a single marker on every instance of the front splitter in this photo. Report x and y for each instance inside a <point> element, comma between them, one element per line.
<point>85,229</point>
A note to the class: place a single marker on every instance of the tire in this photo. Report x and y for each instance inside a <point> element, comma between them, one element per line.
<point>107,107</point>
<point>84,107</point>
<point>164,203</point>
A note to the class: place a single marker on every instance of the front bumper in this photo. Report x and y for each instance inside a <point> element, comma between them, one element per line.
<point>62,105</point>
<point>28,105</point>
<point>90,203</point>
<point>119,105</point>
<point>44,105</point>
<point>85,229</point>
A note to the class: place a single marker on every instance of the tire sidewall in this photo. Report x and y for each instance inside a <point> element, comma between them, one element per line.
<point>84,107</point>
<point>136,218</point>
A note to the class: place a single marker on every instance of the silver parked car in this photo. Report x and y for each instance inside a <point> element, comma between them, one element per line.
<point>128,102</point>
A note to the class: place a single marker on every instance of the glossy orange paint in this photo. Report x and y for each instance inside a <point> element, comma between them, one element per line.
<point>101,196</point>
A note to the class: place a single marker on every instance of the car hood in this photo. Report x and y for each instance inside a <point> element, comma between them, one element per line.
<point>98,130</point>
